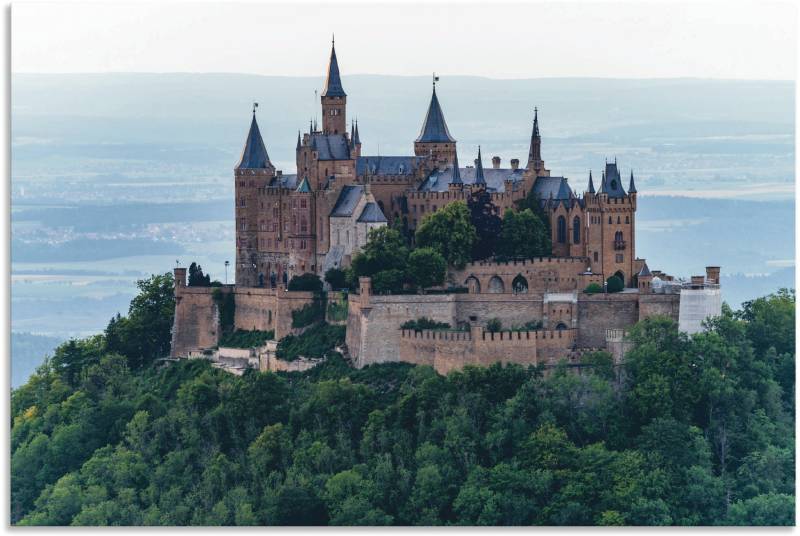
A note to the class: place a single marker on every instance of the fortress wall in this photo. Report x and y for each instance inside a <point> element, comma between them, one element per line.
<point>542,274</point>
<point>511,309</point>
<point>196,323</point>
<point>554,345</point>
<point>286,303</point>
<point>255,309</point>
<point>659,304</point>
<point>598,312</point>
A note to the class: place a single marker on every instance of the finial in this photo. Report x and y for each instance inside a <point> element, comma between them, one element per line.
<point>435,79</point>
<point>255,105</point>
<point>535,112</point>
<point>333,39</point>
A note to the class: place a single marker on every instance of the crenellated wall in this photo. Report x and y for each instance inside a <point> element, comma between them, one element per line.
<point>540,274</point>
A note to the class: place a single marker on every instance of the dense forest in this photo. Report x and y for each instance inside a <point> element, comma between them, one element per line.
<point>690,431</point>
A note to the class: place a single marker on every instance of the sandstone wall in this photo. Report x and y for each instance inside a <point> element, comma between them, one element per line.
<point>541,274</point>
<point>659,304</point>
<point>256,308</point>
<point>598,312</point>
<point>196,323</point>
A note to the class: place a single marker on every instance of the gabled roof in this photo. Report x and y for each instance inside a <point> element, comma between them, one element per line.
<point>552,187</point>
<point>612,184</point>
<point>333,84</point>
<point>372,213</point>
<point>348,199</point>
<point>304,187</point>
<point>254,154</point>
<point>284,181</point>
<point>645,271</point>
<point>387,165</point>
<point>434,128</point>
<point>330,146</point>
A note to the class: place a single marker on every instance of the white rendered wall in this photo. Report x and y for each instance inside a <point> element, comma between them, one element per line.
<point>696,306</point>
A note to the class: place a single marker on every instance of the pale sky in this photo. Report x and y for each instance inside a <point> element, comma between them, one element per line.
<point>644,39</point>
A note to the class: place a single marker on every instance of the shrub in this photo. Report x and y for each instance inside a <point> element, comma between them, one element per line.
<point>593,288</point>
<point>388,281</point>
<point>494,325</point>
<point>308,314</point>
<point>315,343</point>
<point>336,278</point>
<point>424,323</point>
<point>337,310</point>
<point>242,338</point>
<point>307,281</point>
<point>614,284</point>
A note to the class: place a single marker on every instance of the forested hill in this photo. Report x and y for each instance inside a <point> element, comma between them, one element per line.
<point>694,431</point>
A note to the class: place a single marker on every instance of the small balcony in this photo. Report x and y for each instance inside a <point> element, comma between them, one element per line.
<point>619,245</point>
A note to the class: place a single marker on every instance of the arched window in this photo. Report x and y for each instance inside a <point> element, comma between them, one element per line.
<point>519,285</point>
<point>618,236</point>
<point>561,326</point>
<point>473,285</point>
<point>496,285</point>
<point>627,219</point>
<point>576,230</point>
<point>562,229</point>
<point>609,219</point>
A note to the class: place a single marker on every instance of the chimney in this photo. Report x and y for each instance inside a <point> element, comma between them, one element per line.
<point>180,277</point>
<point>280,173</point>
<point>514,163</point>
<point>698,280</point>
<point>712,274</point>
<point>496,162</point>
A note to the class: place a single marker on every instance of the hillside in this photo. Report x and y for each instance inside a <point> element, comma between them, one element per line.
<point>689,432</point>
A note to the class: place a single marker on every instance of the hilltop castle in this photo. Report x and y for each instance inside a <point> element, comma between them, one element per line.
<point>319,217</point>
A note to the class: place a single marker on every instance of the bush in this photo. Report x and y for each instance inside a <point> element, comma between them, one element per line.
<point>593,288</point>
<point>315,343</point>
<point>494,325</point>
<point>614,284</point>
<point>388,281</point>
<point>336,278</point>
<point>337,310</point>
<point>424,323</point>
<point>307,282</point>
<point>242,338</point>
<point>308,314</point>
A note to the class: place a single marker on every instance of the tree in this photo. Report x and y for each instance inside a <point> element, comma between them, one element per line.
<point>770,321</point>
<point>483,215</point>
<point>336,278</point>
<point>71,357</point>
<point>614,284</point>
<point>388,281</point>
<point>533,202</point>
<point>306,282</point>
<point>450,232</point>
<point>523,235</point>
<point>384,258</point>
<point>146,332</point>
<point>593,288</point>
<point>196,277</point>
<point>426,268</point>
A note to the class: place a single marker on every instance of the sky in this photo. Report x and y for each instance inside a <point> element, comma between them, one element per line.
<point>643,39</point>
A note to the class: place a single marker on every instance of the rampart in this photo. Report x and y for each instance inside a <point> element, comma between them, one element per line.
<point>540,274</point>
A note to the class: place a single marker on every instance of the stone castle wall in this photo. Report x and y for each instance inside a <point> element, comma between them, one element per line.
<point>196,322</point>
<point>541,274</point>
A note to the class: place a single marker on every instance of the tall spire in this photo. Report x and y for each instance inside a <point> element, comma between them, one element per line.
<point>356,137</point>
<point>254,154</point>
<point>535,161</point>
<point>632,187</point>
<point>298,140</point>
<point>591,183</point>
<point>333,84</point>
<point>352,133</point>
<point>479,179</point>
<point>456,178</point>
<point>434,128</point>
<point>535,121</point>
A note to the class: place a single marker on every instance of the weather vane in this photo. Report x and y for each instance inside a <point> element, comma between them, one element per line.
<point>435,79</point>
<point>255,105</point>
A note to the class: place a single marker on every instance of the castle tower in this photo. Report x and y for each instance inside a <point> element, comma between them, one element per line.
<point>611,231</point>
<point>480,180</point>
<point>254,171</point>
<point>455,184</point>
<point>334,99</point>
<point>434,138</point>
<point>535,162</point>
<point>355,140</point>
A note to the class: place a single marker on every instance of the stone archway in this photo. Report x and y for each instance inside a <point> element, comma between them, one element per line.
<point>473,285</point>
<point>519,285</point>
<point>561,326</point>
<point>496,285</point>
<point>621,275</point>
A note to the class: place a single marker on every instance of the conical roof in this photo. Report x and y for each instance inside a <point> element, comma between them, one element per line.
<point>333,84</point>
<point>631,186</point>
<point>434,129</point>
<point>591,183</point>
<point>254,154</point>
<point>645,271</point>
<point>304,187</point>
<point>456,178</point>
<point>479,178</point>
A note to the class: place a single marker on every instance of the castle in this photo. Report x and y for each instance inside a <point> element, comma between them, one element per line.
<point>319,217</point>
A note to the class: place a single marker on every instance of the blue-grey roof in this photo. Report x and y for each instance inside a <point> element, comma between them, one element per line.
<point>495,179</point>
<point>479,176</point>
<point>552,187</point>
<point>304,187</point>
<point>612,183</point>
<point>455,176</point>
<point>330,146</point>
<point>387,165</point>
<point>284,181</point>
<point>254,154</point>
<point>348,199</point>
<point>645,271</point>
<point>356,138</point>
<point>372,213</point>
<point>434,129</point>
<point>333,84</point>
<point>631,186</point>
<point>591,183</point>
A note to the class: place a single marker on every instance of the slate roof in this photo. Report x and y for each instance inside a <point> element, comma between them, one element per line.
<point>591,183</point>
<point>434,128</point>
<point>631,186</point>
<point>495,179</point>
<point>254,154</point>
<point>372,213</point>
<point>455,176</point>
<point>333,84</point>
<point>479,175</point>
<point>284,181</point>
<point>330,146</point>
<point>612,184</point>
<point>387,165</point>
<point>645,271</point>
<point>304,187</point>
<point>555,187</point>
<point>348,199</point>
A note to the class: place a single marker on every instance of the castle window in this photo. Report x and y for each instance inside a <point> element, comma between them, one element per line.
<point>303,226</point>
<point>562,230</point>
<point>619,257</point>
<point>302,203</point>
<point>347,236</point>
<point>609,220</point>
<point>595,256</point>
<point>242,202</point>
<point>627,219</point>
<point>242,225</point>
<point>618,220</point>
<point>576,230</point>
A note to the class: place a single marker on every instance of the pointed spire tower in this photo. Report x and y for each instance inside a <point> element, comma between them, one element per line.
<point>535,162</point>
<point>631,186</point>
<point>434,138</point>
<point>480,180</point>
<point>356,140</point>
<point>254,154</point>
<point>298,141</point>
<point>591,183</point>
<point>333,98</point>
<point>455,180</point>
